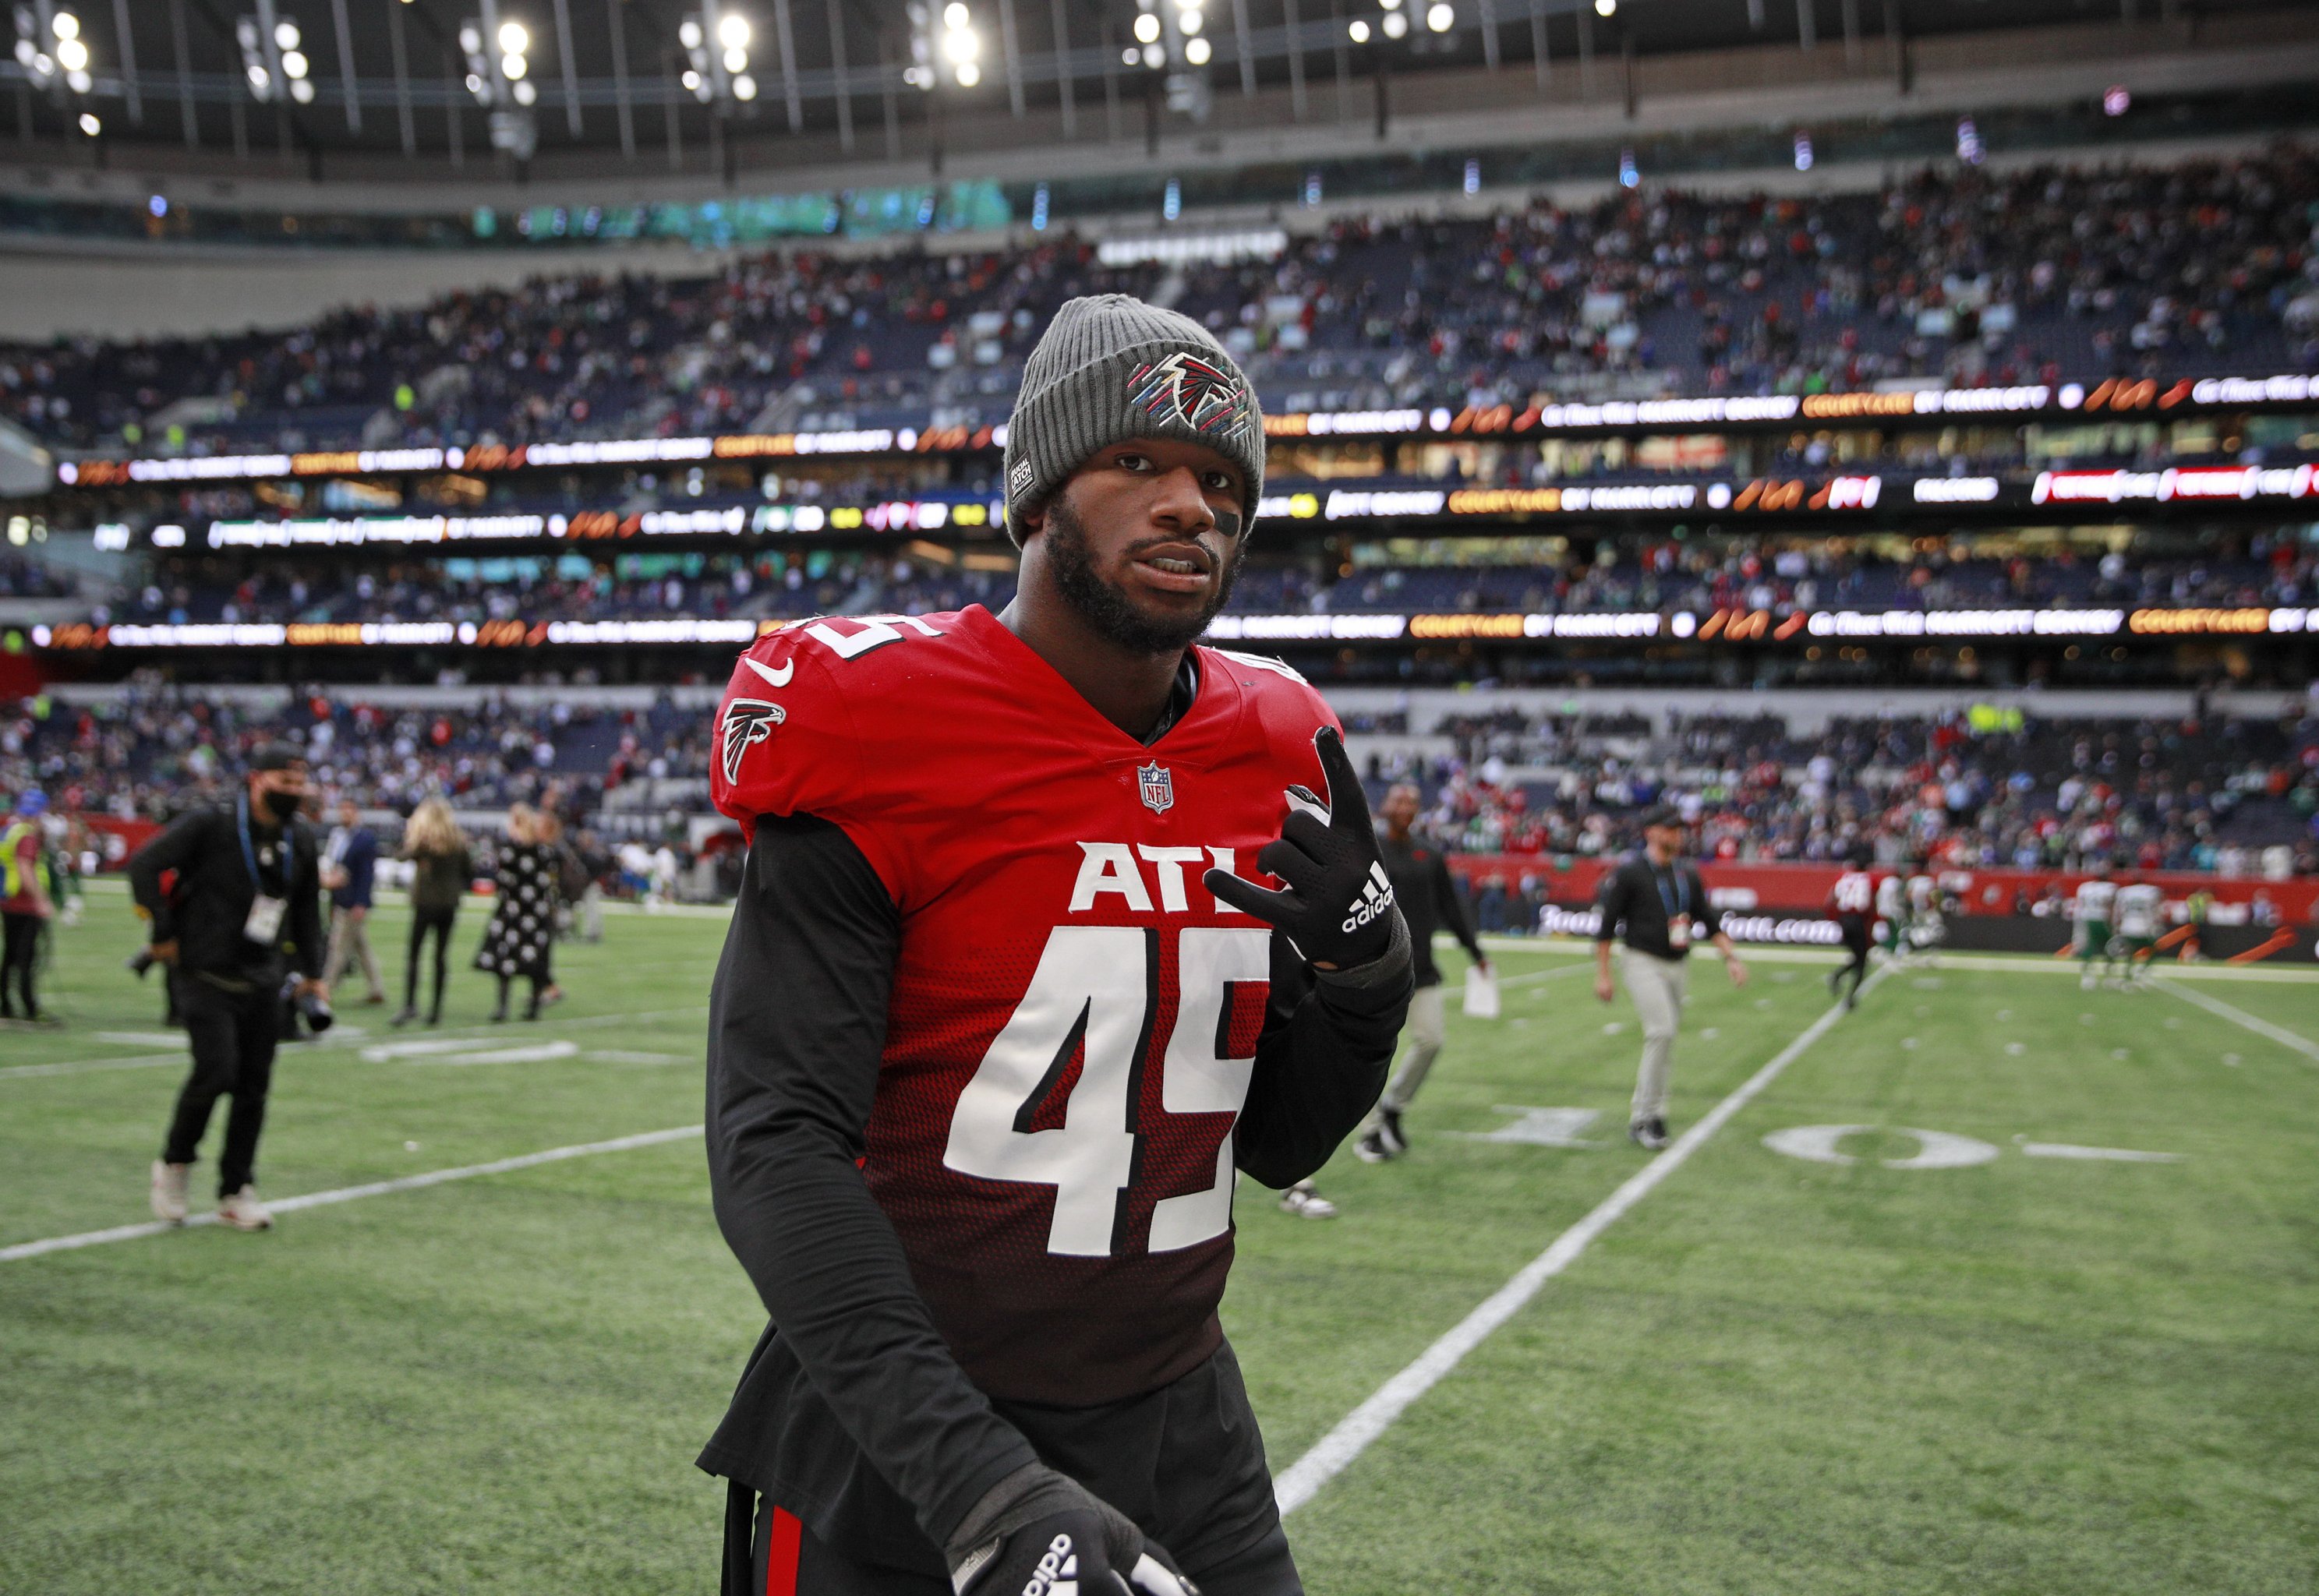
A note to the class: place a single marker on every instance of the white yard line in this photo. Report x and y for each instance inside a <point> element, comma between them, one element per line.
<point>348,1194</point>
<point>2290,1039</point>
<point>1333,1452</point>
<point>2274,972</point>
<point>465,1036</point>
<point>92,1065</point>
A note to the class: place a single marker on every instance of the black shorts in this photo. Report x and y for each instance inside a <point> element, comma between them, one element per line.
<point>1854,928</point>
<point>769,1553</point>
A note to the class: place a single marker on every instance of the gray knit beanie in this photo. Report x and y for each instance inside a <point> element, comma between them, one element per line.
<point>1110,367</point>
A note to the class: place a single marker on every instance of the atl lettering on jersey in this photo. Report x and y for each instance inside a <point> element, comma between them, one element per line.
<point>1074,1015</point>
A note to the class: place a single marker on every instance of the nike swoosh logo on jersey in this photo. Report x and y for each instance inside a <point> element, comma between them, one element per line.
<point>778,676</point>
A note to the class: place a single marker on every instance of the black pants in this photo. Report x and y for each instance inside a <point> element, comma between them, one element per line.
<point>1856,950</point>
<point>424,922</point>
<point>20,955</point>
<point>768,1553</point>
<point>233,1035</point>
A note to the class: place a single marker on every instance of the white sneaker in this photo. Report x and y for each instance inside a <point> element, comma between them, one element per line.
<point>1304,1203</point>
<point>169,1193</point>
<point>244,1211</point>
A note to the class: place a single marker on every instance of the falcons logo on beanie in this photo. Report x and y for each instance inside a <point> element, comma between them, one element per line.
<point>747,722</point>
<point>1186,389</point>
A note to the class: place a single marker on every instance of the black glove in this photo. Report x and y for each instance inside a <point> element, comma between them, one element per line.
<point>1037,1527</point>
<point>1337,909</point>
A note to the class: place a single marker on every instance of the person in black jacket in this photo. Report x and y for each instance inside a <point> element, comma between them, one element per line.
<point>1429,901</point>
<point>1657,900</point>
<point>245,903</point>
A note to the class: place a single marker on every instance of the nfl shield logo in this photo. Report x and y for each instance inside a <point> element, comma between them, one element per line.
<point>1155,787</point>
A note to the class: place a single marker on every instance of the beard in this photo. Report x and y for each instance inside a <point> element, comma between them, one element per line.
<point>1105,604</point>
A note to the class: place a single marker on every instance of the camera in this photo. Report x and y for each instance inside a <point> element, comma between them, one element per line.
<point>315,1009</point>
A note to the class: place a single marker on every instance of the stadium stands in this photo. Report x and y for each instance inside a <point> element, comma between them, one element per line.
<point>2027,276</point>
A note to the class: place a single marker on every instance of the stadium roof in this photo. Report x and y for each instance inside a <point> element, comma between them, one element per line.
<point>362,88</point>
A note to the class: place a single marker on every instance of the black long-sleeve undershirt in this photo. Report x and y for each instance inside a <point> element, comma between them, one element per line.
<point>797,1030</point>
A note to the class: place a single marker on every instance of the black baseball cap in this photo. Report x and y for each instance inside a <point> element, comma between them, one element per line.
<point>276,756</point>
<point>1661,815</point>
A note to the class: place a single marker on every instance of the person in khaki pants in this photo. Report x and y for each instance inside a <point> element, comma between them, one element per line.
<point>1656,901</point>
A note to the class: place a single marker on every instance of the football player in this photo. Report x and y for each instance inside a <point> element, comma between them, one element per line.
<point>1004,1009</point>
<point>1893,909</point>
<point>2140,906</point>
<point>1926,928</point>
<point>1852,903</point>
<point>2096,898</point>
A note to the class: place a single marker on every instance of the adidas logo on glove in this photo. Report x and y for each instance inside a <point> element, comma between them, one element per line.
<point>1376,898</point>
<point>1057,1574</point>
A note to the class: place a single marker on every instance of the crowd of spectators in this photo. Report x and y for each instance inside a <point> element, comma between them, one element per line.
<point>2237,797</point>
<point>1781,575</point>
<point>2222,794</point>
<point>1952,272</point>
<point>157,750</point>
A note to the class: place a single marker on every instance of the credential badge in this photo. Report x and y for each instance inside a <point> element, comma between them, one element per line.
<point>1155,787</point>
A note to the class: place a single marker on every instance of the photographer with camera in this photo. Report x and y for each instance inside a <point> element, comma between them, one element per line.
<point>245,903</point>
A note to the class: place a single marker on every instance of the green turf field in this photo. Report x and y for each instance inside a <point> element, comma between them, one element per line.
<point>2031,1374</point>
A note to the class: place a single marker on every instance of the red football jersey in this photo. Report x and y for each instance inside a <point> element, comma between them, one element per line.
<point>1854,893</point>
<point>1074,1015</point>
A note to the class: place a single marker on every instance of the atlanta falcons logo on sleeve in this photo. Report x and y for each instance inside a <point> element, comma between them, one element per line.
<point>747,722</point>
<point>1184,388</point>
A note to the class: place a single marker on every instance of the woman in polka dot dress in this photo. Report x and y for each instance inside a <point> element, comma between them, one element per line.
<point>522,931</point>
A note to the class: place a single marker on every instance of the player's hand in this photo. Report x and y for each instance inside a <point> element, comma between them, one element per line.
<point>1045,1528</point>
<point>165,952</point>
<point>1736,971</point>
<point>1603,989</point>
<point>1336,907</point>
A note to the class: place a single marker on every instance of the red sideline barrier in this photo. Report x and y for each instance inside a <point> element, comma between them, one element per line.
<point>120,837</point>
<point>1804,888</point>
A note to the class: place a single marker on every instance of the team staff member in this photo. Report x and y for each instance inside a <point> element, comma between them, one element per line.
<point>1004,1010</point>
<point>1428,898</point>
<point>248,883</point>
<point>1657,901</point>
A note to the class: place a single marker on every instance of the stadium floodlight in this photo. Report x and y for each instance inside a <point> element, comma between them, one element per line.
<point>1803,152</point>
<point>1154,57</point>
<point>1147,29</point>
<point>515,39</point>
<point>65,25</point>
<point>1189,23</point>
<point>1395,24</point>
<point>90,125</point>
<point>293,63</point>
<point>72,55</point>
<point>1606,7</point>
<point>286,34</point>
<point>1358,30</point>
<point>716,46</point>
<point>960,45</point>
<point>1198,52</point>
<point>1441,18</point>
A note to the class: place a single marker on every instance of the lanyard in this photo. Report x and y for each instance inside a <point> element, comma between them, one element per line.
<point>1679,901</point>
<point>248,854</point>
